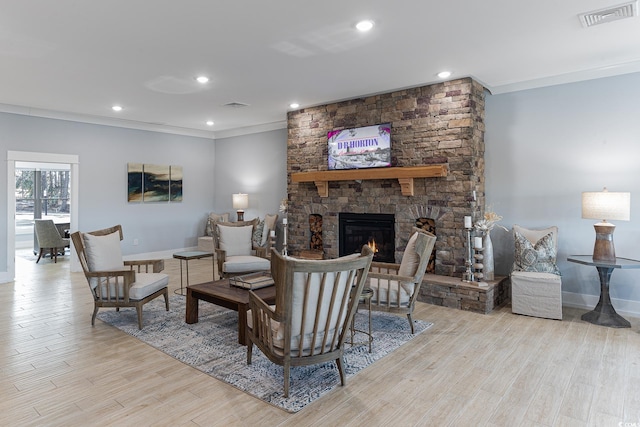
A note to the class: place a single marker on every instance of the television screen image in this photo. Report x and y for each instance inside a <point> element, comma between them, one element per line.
<point>360,148</point>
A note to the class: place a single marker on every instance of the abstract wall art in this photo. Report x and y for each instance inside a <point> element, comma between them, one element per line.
<point>150,183</point>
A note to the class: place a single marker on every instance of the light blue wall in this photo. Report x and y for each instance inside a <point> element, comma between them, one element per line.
<point>544,147</point>
<point>104,152</point>
<point>255,164</point>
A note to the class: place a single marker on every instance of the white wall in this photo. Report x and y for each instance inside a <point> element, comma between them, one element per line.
<point>544,147</point>
<point>255,164</point>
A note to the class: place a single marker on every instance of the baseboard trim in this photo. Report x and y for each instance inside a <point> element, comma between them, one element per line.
<point>588,302</point>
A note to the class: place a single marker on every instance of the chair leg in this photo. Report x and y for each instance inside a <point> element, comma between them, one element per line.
<point>55,255</point>
<point>340,363</point>
<point>410,322</point>
<point>166,298</point>
<point>249,351</point>
<point>95,313</point>
<point>139,310</point>
<point>287,373</point>
<point>40,255</point>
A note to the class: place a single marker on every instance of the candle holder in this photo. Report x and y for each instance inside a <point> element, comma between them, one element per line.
<point>468,275</point>
<point>478,265</point>
<point>284,236</point>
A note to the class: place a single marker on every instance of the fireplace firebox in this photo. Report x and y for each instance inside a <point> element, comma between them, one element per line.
<point>376,230</point>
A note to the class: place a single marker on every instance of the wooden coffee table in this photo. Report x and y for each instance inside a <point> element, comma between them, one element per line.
<point>221,293</point>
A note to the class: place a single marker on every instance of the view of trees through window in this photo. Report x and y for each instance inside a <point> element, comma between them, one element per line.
<point>40,194</point>
<point>48,188</point>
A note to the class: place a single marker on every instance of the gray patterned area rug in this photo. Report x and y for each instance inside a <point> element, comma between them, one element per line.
<point>211,345</point>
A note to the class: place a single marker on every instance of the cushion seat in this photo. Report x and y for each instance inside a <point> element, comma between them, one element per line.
<point>536,294</point>
<point>381,294</point>
<point>244,263</point>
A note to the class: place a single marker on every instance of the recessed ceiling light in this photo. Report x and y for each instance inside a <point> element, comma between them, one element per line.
<point>444,74</point>
<point>116,108</point>
<point>209,122</point>
<point>294,105</point>
<point>365,25</point>
<point>202,79</point>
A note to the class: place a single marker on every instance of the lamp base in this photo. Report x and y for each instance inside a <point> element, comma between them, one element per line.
<point>604,249</point>
<point>240,215</point>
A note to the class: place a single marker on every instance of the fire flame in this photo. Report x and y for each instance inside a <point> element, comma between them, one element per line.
<point>373,246</point>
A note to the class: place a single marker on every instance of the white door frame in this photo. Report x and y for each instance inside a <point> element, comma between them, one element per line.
<point>28,156</point>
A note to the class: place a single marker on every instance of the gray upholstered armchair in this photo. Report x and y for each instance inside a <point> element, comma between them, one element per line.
<point>49,239</point>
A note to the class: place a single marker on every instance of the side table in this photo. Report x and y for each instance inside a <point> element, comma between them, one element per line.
<point>604,314</point>
<point>365,297</point>
<point>189,255</point>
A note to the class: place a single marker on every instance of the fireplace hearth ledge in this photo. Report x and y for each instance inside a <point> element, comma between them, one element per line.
<point>448,291</point>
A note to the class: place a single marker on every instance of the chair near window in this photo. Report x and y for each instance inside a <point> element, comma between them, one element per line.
<point>49,239</point>
<point>396,286</point>
<point>315,304</point>
<point>114,282</point>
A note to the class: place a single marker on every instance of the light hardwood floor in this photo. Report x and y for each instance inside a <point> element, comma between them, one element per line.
<point>468,369</point>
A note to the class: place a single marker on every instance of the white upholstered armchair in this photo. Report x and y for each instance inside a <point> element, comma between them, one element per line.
<point>396,286</point>
<point>315,304</point>
<point>114,282</point>
<point>240,249</point>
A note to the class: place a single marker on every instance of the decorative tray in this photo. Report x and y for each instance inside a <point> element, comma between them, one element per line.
<point>252,281</point>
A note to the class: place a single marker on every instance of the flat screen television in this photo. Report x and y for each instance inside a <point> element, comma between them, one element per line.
<point>360,148</point>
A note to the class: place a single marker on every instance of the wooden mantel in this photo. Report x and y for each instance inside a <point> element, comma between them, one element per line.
<point>404,175</point>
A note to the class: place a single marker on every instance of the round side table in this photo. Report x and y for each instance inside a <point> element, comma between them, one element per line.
<point>365,297</point>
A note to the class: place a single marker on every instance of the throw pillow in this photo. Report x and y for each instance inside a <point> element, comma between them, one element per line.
<point>540,258</point>
<point>410,260</point>
<point>257,234</point>
<point>213,219</point>
<point>235,240</point>
<point>103,252</point>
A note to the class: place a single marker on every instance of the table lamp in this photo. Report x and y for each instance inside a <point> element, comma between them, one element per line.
<point>240,203</point>
<point>605,205</point>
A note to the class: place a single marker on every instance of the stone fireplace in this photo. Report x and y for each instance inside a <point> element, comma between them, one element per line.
<point>436,124</point>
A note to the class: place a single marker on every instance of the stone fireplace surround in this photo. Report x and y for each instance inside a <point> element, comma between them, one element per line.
<point>435,124</point>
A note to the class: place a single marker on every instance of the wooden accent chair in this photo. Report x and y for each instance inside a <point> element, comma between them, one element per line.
<point>49,239</point>
<point>236,250</point>
<point>315,304</point>
<point>396,286</point>
<point>114,282</point>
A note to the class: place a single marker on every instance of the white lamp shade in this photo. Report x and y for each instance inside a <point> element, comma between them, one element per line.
<point>240,201</point>
<point>606,205</point>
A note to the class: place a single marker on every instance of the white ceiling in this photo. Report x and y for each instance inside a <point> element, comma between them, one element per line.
<point>73,59</point>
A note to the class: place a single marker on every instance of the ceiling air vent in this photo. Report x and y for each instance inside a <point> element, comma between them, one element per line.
<point>236,105</point>
<point>610,14</point>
